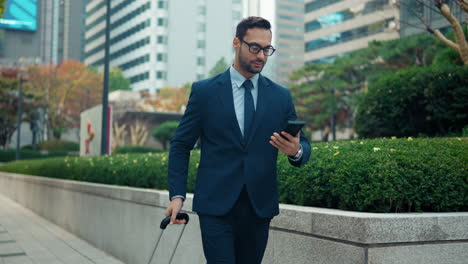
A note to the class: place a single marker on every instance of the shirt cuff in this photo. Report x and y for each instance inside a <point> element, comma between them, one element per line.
<point>178,196</point>
<point>298,155</point>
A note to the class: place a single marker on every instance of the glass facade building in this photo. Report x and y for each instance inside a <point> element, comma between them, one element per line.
<point>334,27</point>
<point>158,43</point>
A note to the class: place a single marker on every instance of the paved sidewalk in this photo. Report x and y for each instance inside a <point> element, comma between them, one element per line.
<point>26,238</point>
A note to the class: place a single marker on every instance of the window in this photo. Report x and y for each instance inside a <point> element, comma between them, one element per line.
<point>289,36</point>
<point>162,22</point>
<point>139,77</point>
<point>201,27</point>
<point>125,50</point>
<point>161,75</point>
<point>135,62</point>
<point>162,4</point>
<point>318,4</point>
<point>356,33</point>
<point>114,10</point>
<point>161,39</point>
<point>292,18</point>
<point>161,57</point>
<point>236,15</point>
<point>201,44</point>
<point>291,8</point>
<point>344,15</point>
<point>201,61</point>
<point>202,10</point>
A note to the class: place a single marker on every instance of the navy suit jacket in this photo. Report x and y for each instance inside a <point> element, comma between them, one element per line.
<point>228,162</point>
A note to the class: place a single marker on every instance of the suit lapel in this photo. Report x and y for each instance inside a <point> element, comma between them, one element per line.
<point>226,98</point>
<point>262,102</point>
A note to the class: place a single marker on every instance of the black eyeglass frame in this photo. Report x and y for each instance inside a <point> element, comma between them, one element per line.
<point>255,45</point>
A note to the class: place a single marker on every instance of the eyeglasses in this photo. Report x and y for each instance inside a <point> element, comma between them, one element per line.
<point>255,48</point>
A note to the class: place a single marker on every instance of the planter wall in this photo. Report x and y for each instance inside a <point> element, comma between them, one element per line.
<point>125,223</point>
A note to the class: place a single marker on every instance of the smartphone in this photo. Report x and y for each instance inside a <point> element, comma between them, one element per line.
<point>292,127</point>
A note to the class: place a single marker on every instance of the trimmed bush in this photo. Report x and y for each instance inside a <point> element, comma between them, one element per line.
<point>56,145</point>
<point>164,132</point>
<point>380,175</point>
<point>415,101</point>
<point>10,155</point>
<point>135,149</point>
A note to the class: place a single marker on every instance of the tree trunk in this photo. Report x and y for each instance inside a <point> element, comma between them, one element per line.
<point>325,135</point>
<point>461,46</point>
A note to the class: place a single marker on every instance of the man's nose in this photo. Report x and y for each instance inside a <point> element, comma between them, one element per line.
<point>261,55</point>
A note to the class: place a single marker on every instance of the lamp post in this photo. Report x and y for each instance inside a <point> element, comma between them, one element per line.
<point>105,120</point>
<point>20,113</point>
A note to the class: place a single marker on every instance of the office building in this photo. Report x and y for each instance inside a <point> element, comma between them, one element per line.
<point>336,27</point>
<point>158,43</point>
<point>287,21</point>
<point>289,38</point>
<point>42,31</point>
<point>410,10</point>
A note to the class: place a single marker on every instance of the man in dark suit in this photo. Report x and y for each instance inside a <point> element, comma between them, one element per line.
<point>238,116</point>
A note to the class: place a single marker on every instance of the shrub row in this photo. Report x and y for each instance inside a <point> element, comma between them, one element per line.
<point>431,101</point>
<point>56,145</point>
<point>135,149</point>
<point>10,155</point>
<point>379,175</point>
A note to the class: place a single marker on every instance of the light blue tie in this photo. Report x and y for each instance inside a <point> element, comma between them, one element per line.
<point>249,107</point>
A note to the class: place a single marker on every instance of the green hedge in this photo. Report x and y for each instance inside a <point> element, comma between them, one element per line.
<point>10,155</point>
<point>379,175</point>
<point>135,149</point>
<point>56,145</point>
<point>431,101</point>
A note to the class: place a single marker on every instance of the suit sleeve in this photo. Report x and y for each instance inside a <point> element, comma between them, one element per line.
<point>182,143</point>
<point>303,139</point>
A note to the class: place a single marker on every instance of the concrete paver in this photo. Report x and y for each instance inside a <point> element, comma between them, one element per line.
<point>26,238</point>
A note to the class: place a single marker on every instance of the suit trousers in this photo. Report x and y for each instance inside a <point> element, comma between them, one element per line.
<point>239,237</point>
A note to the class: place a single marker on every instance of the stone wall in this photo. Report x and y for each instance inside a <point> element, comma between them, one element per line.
<point>125,223</point>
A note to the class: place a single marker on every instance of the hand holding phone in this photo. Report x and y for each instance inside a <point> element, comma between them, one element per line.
<point>292,127</point>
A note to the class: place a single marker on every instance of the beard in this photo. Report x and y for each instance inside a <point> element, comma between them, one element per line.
<point>249,66</point>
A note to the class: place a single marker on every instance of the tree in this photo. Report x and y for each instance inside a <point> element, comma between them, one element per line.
<point>64,91</point>
<point>219,67</point>
<point>164,132</point>
<point>170,99</point>
<point>323,96</point>
<point>2,7</point>
<point>118,81</point>
<point>430,100</point>
<point>446,9</point>
<point>327,95</point>
<point>9,105</point>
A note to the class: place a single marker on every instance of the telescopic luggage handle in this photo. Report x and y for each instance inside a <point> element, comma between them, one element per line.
<point>164,223</point>
<point>180,216</point>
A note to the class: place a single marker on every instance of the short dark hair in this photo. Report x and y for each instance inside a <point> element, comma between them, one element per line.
<point>251,22</point>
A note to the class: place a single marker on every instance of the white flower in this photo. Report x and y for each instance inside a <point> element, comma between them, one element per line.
<point>376,149</point>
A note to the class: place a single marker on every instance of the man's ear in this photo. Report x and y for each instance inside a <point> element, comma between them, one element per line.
<point>235,43</point>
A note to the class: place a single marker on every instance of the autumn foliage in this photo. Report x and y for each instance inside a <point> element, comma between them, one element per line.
<point>65,90</point>
<point>170,99</point>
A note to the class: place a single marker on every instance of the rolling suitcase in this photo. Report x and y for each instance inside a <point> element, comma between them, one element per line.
<point>164,223</point>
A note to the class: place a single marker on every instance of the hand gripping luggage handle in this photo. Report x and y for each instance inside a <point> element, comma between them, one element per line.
<point>180,216</point>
